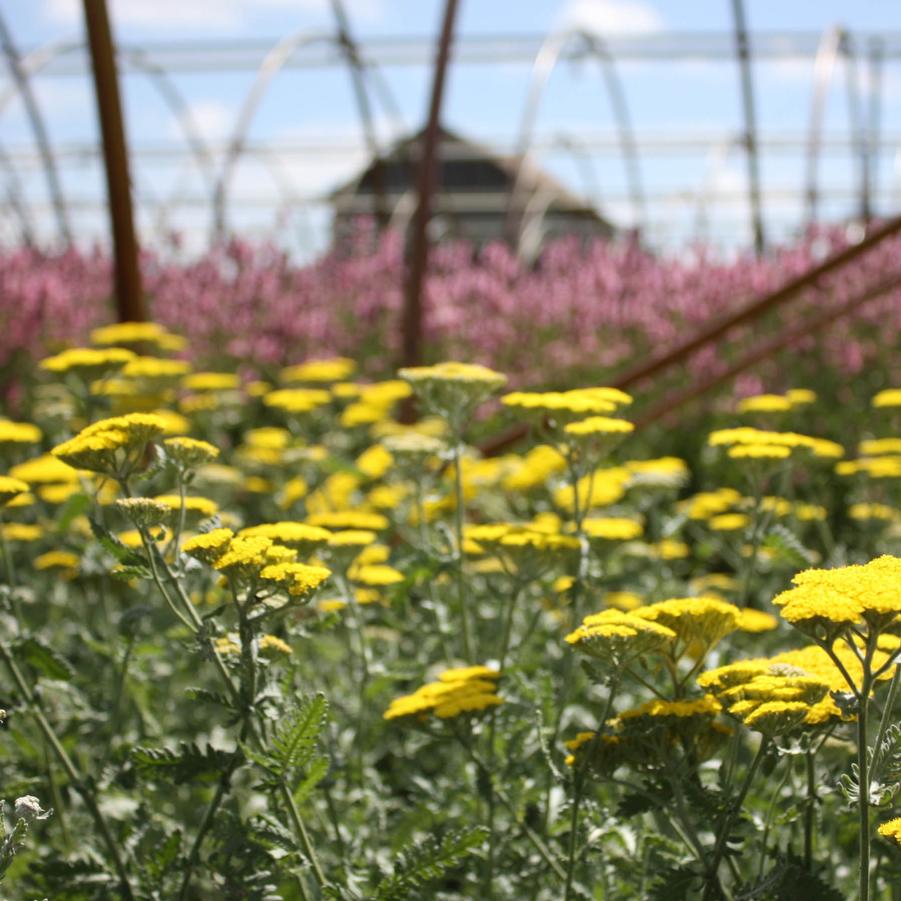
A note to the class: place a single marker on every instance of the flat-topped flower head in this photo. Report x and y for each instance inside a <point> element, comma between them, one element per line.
<point>833,599</point>
<point>375,575</point>
<point>202,507</point>
<point>209,546</point>
<point>211,381</point>
<point>729,522</point>
<point>18,434</point>
<point>704,619</point>
<point>112,446</point>
<point>296,401</point>
<point>891,830</point>
<point>349,519</point>
<point>745,435</point>
<point>561,407</point>
<point>298,535</point>
<point>144,511</point>
<point>454,372</point>
<point>11,488</point>
<point>88,363</point>
<point>458,691</point>
<point>612,528</point>
<point>616,636</point>
<point>889,397</point>
<point>332,369</point>
<point>189,453</point>
<point>298,580</point>
<point>765,403</point>
<point>801,397</point>
<point>759,452</point>
<point>137,333</point>
<point>598,425</point>
<point>773,718</point>
<point>452,390</point>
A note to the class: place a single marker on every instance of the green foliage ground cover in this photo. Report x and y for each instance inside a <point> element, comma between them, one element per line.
<point>266,641</point>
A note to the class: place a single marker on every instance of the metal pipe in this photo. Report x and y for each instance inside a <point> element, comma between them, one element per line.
<point>767,349</point>
<point>29,100</point>
<point>418,246</point>
<point>743,52</point>
<point>759,306</point>
<point>128,295</point>
<point>351,52</point>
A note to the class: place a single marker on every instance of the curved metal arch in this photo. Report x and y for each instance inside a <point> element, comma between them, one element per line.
<point>717,158</point>
<point>581,156</point>
<point>273,63</point>
<point>22,84</point>
<point>532,232</point>
<point>542,69</point>
<point>39,58</point>
<point>835,43</point>
<point>15,199</point>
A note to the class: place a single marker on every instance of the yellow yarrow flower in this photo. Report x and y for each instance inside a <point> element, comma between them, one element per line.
<point>16,433</point>
<point>333,369</point>
<point>890,397</point>
<point>11,488</point>
<point>210,546</point>
<point>891,830</point>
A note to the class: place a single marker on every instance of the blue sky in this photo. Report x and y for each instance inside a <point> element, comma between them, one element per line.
<point>686,99</point>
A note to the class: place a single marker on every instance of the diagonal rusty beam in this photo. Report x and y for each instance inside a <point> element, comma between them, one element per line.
<point>769,348</point>
<point>759,306</point>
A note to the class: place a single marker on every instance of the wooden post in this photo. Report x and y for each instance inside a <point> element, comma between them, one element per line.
<point>128,294</point>
<point>418,245</point>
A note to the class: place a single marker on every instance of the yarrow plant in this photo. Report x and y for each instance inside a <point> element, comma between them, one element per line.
<point>263,637</point>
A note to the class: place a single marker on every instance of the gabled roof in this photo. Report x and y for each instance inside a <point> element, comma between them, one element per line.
<point>533,179</point>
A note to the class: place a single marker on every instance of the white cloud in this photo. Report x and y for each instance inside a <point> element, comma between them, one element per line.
<point>606,17</point>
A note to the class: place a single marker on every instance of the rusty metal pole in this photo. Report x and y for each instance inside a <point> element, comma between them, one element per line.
<point>743,52</point>
<point>128,295</point>
<point>418,245</point>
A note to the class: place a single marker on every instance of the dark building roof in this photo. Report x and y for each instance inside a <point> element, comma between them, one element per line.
<point>473,200</point>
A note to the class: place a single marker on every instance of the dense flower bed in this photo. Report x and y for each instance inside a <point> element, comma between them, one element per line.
<point>582,313</point>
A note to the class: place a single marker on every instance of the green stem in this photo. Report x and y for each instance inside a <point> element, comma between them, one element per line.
<point>204,827</point>
<point>712,882</point>
<point>580,778</point>
<point>863,796</point>
<point>886,718</point>
<point>526,830</point>
<point>300,830</point>
<point>458,551</point>
<point>810,808</point>
<point>75,777</point>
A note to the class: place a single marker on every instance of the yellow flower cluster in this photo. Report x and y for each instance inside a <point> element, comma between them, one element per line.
<point>111,446</point>
<point>468,689</point>
<point>833,599</point>
<point>697,621</point>
<point>769,697</point>
<point>777,403</point>
<point>333,369</point>
<point>137,333</point>
<point>891,830</point>
<point>454,372</point>
<point>88,362</point>
<point>573,404</point>
<point>11,488</point>
<point>889,397</point>
<point>745,435</point>
<point>18,432</point>
<point>615,636</point>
